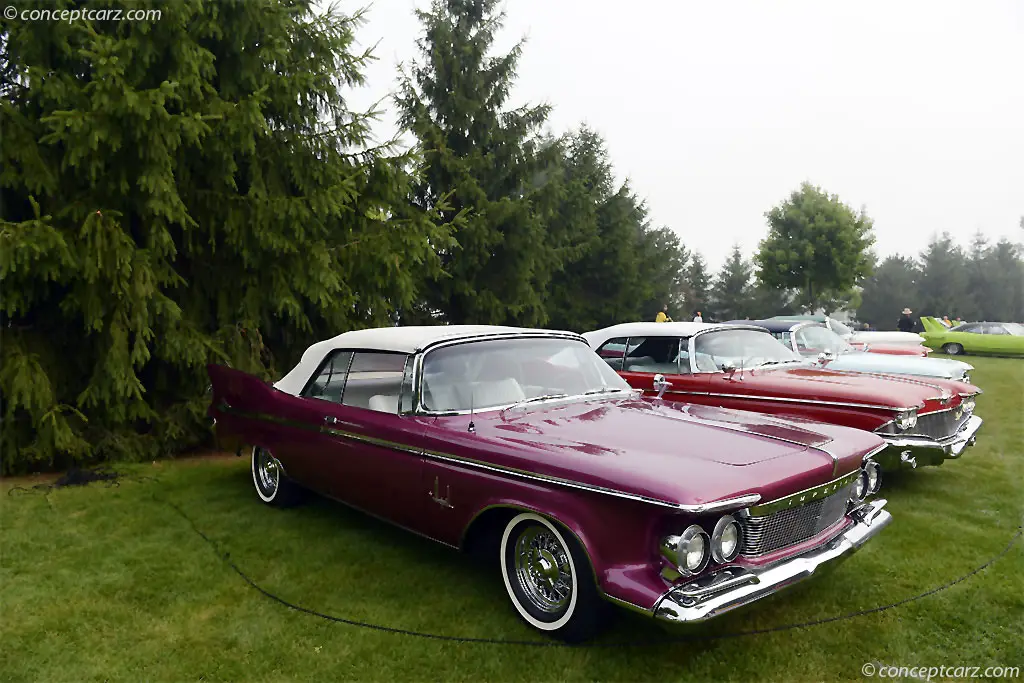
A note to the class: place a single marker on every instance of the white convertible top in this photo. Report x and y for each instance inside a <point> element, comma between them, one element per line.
<point>644,329</point>
<point>396,339</point>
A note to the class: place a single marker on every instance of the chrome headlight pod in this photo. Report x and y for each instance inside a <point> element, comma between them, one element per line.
<point>725,540</point>
<point>906,419</point>
<point>968,404</point>
<point>860,488</point>
<point>873,472</point>
<point>689,552</point>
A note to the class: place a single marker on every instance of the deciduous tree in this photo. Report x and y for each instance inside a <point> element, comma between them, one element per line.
<point>815,244</point>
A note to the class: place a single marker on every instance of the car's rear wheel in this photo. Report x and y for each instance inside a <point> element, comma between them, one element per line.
<point>549,579</point>
<point>272,486</point>
<point>952,349</point>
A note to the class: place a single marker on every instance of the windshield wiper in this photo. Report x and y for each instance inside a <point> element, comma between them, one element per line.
<point>779,362</point>
<point>603,390</point>
<point>535,399</point>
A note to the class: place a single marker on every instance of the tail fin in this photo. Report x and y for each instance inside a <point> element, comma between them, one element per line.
<point>237,397</point>
<point>932,325</point>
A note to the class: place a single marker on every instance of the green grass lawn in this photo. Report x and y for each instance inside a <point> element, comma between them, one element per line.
<point>110,583</point>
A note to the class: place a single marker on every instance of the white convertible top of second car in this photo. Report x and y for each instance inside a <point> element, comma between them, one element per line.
<point>644,329</point>
<point>396,339</point>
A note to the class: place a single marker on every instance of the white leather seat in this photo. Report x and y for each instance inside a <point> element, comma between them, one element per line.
<point>384,404</point>
<point>496,393</point>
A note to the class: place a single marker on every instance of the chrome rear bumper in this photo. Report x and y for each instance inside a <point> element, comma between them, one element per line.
<point>911,451</point>
<point>733,587</point>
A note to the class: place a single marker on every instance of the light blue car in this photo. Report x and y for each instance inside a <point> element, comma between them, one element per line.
<point>815,340</point>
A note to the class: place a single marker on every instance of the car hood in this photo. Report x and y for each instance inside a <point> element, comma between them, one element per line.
<point>815,383</point>
<point>688,454</point>
<point>861,361</point>
<point>887,338</point>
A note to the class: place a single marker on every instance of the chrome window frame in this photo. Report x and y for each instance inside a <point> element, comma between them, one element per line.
<point>699,333</point>
<point>652,336</point>
<point>421,410</point>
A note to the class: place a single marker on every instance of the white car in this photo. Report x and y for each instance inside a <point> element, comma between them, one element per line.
<point>858,336</point>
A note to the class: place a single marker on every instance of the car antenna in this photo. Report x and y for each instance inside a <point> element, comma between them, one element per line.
<point>472,425</point>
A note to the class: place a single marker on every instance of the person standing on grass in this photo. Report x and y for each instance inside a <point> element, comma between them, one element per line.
<point>906,323</point>
<point>662,316</point>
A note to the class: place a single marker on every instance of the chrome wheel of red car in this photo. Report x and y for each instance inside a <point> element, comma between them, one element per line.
<point>272,486</point>
<point>548,578</point>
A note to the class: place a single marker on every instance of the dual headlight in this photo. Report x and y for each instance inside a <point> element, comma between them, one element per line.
<point>968,404</point>
<point>691,551</point>
<point>867,483</point>
<point>906,419</point>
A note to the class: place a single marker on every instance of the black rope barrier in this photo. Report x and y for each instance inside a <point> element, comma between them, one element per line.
<point>226,558</point>
<point>81,477</point>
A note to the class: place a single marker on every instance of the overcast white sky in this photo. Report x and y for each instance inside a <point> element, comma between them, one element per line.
<point>717,110</point>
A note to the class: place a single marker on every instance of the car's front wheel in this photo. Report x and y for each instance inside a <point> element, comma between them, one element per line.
<point>272,486</point>
<point>952,349</point>
<point>549,579</point>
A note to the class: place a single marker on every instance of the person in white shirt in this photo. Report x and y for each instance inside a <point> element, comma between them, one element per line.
<point>697,318</point>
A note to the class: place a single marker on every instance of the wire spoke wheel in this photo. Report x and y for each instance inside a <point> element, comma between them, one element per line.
<point>267,471</point>
<point>542,570</point>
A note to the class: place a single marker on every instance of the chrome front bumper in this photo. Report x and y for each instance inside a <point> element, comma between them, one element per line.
<point>732,587</point>
<point>911,451</point>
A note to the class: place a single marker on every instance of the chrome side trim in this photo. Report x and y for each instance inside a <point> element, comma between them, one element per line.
<point>809,400</point>
<point>801,497</point>
<point>701,508</point>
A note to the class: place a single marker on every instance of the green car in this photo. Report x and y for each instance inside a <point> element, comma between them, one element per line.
<point>989,339</point>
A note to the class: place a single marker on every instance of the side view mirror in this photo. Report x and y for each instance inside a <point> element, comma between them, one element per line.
<point>729,368</point>
<point>660,384</point>
<point>826,357</point>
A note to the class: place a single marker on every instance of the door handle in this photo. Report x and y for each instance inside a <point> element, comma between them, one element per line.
<point>331,420</point>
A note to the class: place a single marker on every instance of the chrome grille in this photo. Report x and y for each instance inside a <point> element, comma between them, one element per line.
<point>762,535</point>
<point>939,425</point>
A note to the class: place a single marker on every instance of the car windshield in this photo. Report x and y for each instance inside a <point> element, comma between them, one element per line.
<point>741,348</point>
<point>839,328</point>
<point>816,339</point>
<point>499,373</point>
<point>1016,329</point>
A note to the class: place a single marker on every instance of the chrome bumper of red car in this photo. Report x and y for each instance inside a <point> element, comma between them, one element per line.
<point>733,587</point>
<point>909,451</point>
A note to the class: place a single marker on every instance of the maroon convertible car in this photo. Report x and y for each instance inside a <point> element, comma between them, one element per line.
<point>524,445</point>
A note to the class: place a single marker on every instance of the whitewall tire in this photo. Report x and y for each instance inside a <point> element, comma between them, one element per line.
<point>548,578</point>
<point>268,477</point>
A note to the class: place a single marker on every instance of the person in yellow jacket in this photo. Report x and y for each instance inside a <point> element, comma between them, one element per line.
<point>663,316</point>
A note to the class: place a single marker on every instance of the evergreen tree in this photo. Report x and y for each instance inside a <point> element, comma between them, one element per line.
<point>732,289</point>
<point>188,190</point>
<point>945,282</point>
<point>492,163</point>
<point>895,284</point>
<point>698,281</point>
<point>663,265</point>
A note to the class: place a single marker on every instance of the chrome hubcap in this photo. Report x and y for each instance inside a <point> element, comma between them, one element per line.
<point>542,570</point>
<point>267,471</point>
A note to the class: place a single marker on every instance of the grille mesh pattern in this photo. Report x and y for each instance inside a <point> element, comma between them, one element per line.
<point>939,425</point>
<point>784,528</point>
